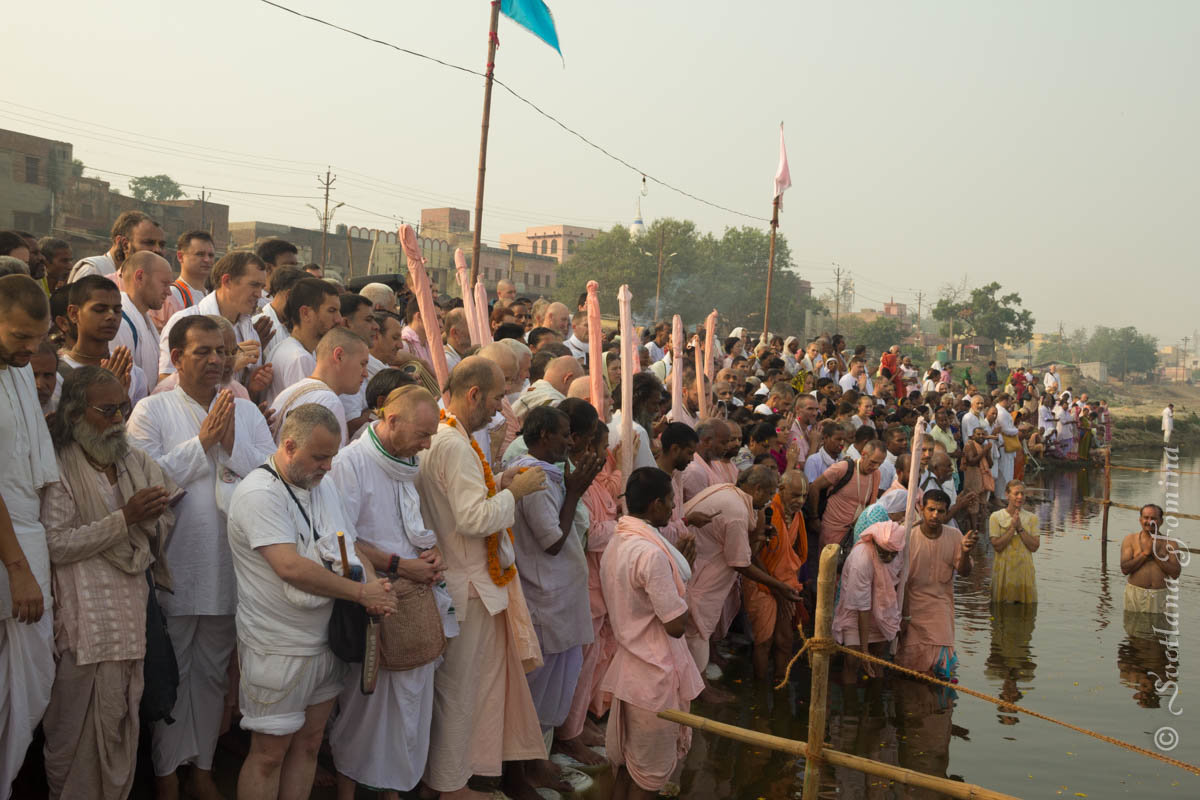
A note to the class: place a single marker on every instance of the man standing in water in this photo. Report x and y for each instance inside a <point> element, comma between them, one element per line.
<point>937,551</point>
<point>1149,559</point>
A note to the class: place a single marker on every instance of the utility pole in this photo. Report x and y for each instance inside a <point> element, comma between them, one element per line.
<point>837,297</point>
<point>658,286</point>
<point>1186,372</point>
<point>920,297</point>
<point>328,182</point>
<point>203,208</point>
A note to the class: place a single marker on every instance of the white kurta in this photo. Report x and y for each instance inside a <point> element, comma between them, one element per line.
<point>310,390</point>
<point>280,330</point>
<point>291,362</point>
<point>243,329</point>
<point>138,334</point>
<point>1006,463</point>
<point>166,426</point>
<point>102,265</point>
<point>26,651</point>
<point>382,739</point>
<point>643,457</point>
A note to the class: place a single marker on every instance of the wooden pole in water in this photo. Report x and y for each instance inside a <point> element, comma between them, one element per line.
<point>945,786</point>
<point>477,244</point>
<point>826,577</point>
<point>1107,496</point>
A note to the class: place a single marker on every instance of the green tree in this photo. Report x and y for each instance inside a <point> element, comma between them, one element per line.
<point>155,188</point>
<point>881,334</point>
<point>1124,350</point>
<point>705,272</point>
<point>77,168</point>
<point>1000,319</point>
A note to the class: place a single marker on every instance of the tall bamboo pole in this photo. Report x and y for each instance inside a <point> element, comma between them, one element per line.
<point>349,256</point>
<point>770,268</point>
<point>476,244</point>
<point>946,786</point>
<point>1107,496</point>
<point>827,576</point>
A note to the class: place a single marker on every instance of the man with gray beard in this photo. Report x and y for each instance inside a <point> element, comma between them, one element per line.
<point>107,520</point>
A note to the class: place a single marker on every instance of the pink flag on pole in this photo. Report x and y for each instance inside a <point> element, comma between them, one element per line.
<point>595,348</point>
<point>710,326</point>
<point>783,176</point>
<point>460,268</point>
<point>481,314</point>
<point>423,291</point>
<point>677,368</point>
<point>624,299</point>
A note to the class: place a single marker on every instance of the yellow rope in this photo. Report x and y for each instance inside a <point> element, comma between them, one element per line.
<point>829,645</point>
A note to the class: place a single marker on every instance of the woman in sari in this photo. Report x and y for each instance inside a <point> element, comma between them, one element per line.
<point>1014,535</point>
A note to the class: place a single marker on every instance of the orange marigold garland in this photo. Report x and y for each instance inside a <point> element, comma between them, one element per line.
<point>499,575</point>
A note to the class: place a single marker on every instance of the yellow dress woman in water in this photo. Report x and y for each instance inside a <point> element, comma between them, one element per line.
<point>1014,535</point>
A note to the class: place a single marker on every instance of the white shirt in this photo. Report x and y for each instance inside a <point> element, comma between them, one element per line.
<point>166,426</point>
<point>20,442</point>
<point>269,618</point>
<point>1051,383</point>
<point>355,404</point>
<point>281,331</point>
<point>1168,420</point>
<point>314,391</point>
<point>656,353</point>
<point>887,472</point>
<point>851,453</point>
<point>848,382</point>
<point>578,348</point>
<point>858,422</point>
<point>102,265</point>
<point>138,383</point>
<point>243,329</point>
<point>818,463</point>
<point>138,334</point>
<point>970,422</point>
<point>181,301</point>
<point>930,481</point>
<point>1046,420</point>
<point>452,358</point>
<point>291,362</point>
<point>643,457</point>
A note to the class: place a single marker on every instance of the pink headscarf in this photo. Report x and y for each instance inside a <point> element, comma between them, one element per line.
<point>890,536</point>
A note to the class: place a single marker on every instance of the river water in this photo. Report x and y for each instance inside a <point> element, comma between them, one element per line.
<point>1070,658</point>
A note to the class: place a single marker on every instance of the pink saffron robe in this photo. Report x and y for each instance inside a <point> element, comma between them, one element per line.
<point>929,598</point>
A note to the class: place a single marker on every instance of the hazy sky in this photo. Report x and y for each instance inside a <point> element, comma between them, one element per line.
<point>1049,145</point>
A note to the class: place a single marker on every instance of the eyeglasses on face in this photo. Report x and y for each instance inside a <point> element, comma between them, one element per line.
<point>110,411</point>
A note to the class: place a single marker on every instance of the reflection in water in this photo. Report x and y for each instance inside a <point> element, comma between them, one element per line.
<point>900,722</point>
<point>1011,657</point>
<point>923,724</point>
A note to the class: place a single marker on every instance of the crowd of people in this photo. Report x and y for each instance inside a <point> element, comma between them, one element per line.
<point>214,480</point>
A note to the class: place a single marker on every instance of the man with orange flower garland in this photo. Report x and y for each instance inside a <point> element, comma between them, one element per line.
<point>483,713</point>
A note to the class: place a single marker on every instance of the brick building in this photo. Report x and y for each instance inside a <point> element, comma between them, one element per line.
<point>556,241</point>
<point>34,176</point>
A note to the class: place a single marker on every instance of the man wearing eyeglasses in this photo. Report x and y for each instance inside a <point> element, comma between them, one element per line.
<point>107,522</point>
<point>206,441</point>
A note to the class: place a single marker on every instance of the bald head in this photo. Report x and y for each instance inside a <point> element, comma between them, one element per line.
<point>581,388</point>
<point>557,319</point>
<point>506,290</point>
<point>142,260</point>
<point>503,357</point>
<point>562,371</point>
<point>405,401</point>
<point>474,372</point>
<point>380,295</point>
<point>146,279</point>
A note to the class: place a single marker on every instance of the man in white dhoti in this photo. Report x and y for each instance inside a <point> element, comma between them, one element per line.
<point>312,310</point>
<point>483,714</point>
<point>1007,460</point>
<point>1168,422</point>
<point>341,366</point>
<point>145,280</point>
<point>284,530</point>
<point>26,632</point>
<point>107,522</point>
<point>206,441</point>
<point>382,739</point>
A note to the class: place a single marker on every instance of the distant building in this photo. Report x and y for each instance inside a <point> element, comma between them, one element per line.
<point>556,241</point>
<point>41,194</point>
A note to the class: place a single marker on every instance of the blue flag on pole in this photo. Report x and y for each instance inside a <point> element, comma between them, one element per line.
<point>534,16</point>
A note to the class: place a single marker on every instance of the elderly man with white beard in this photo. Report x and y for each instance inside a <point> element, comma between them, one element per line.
<point>107,522</point>
<point>286,530</point>
<point>382,739</point>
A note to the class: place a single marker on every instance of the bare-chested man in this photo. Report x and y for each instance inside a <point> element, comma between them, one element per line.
<point>1148,558</point>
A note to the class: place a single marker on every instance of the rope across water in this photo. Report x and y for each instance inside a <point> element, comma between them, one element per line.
<point>830,646</point>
